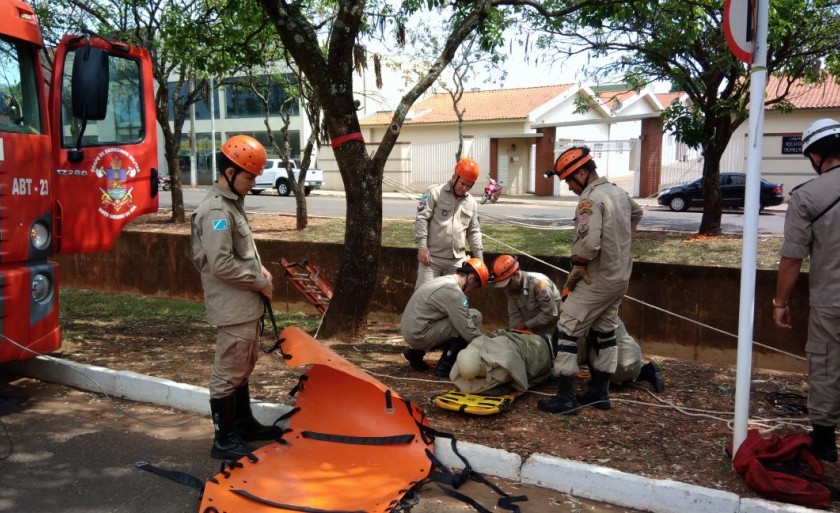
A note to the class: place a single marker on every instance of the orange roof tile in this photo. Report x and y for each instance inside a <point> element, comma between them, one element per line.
<point>806,96</point>
<point>667,98</point>
<point>610,97</point>
<point>478,105</point>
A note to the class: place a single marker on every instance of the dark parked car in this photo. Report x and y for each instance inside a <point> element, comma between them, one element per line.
<point>732,188</point>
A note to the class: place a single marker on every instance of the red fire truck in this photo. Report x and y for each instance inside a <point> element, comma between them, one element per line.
<point>78,161</point>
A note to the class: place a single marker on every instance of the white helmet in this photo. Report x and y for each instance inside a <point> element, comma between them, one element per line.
<point>818,131</point>
<point>468,362</point>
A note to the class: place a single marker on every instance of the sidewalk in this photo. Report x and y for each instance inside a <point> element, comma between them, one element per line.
<point>564,476</point>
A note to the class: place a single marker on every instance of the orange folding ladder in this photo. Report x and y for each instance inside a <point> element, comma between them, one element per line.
<point>308,280</point>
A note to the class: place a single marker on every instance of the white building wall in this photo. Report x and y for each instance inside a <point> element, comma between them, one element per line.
<point>790,170</point>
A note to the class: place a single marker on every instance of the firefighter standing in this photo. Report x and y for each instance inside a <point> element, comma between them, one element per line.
<point>439,314</point>
<point>534,304</point>
<point>446,214</point>
<point>235,284</point>
<point>811,224</point>
<point>605,218</point>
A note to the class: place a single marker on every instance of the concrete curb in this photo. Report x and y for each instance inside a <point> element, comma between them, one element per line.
<point>566,476</point>
<point>131,386</point>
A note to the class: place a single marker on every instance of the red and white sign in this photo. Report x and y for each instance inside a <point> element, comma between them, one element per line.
<point>740,19</point>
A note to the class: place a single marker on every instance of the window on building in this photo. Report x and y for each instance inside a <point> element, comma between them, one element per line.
<point>242,102</point>
<point>294,142</point>
<point>202,108</point>
<point>204,152</point>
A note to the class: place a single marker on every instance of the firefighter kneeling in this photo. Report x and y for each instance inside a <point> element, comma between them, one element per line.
<point>439,315</point>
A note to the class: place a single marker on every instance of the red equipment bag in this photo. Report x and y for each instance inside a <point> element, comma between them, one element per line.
<point>782,468</point>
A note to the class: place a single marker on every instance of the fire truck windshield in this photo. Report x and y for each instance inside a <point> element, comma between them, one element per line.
<point>20,109</point>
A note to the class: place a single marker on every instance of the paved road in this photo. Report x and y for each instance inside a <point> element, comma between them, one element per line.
<point>71,451</point>
<point>522,209</point>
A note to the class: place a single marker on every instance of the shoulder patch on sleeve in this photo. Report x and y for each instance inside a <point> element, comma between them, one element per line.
<point>466,303</point>
<point>220,224</point>
<point>542,291</point>
<point>584,207</point>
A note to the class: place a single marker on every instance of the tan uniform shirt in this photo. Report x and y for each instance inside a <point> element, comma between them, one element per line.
<point>441,298</point>
<point>818,239</point>
<point>224,252</point>
<point>604,223</point>
<point>443,221</point>
<point>537,304</point>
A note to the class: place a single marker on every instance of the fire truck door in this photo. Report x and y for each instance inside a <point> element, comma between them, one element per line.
<point>105,168</point>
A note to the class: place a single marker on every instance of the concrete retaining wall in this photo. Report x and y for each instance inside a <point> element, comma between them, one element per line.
<point>158,264</point>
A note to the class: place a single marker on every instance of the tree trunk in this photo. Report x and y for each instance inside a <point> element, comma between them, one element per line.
<point>712,152</point>
<point>712,207</point>
<point>358,274</point>
<point>171,154</point>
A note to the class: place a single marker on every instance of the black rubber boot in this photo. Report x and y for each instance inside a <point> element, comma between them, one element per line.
<point>415,359</point>
<point>824,443</point>
<point>652,374</point>
<point>598,395</point>
<point>450,354</point>
<point>227,443</point>
<point>250,428</point>
<point>564,402</point>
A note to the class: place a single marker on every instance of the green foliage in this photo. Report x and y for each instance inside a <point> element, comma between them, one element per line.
<point>686,123</point>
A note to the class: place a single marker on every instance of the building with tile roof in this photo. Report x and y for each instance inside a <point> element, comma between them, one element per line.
<point>502,132</point>
<point>515,134</point>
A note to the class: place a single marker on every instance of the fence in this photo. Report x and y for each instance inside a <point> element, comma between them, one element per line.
<point>681,164</point>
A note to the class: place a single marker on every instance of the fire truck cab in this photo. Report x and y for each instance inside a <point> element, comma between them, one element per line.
<point>76,165</point>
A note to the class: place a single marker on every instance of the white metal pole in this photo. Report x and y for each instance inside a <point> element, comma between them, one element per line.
<point>758,84</point>
<point>212,131</point>
<point>193,149</point>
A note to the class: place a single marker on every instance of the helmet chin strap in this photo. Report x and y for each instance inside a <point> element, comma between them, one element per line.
<point>232,179</point>
<point>583,185</point>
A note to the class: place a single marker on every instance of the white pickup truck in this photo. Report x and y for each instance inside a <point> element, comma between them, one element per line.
<point>274,176</point>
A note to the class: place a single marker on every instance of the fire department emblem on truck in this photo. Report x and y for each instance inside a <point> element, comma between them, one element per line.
<point>116,165</point>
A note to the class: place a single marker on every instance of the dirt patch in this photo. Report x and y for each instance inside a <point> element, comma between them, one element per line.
<point>679,434</point>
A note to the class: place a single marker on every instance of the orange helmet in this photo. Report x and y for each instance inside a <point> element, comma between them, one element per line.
<point>246,152</point>
<point>503,268</point>
<point>480,270</point>
<point>570,161</point>
<point>467,169</point>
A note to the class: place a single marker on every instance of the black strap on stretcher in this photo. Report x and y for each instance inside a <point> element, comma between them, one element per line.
<point>278,343</point>
<point>173,475</point>
<point>445,478</point>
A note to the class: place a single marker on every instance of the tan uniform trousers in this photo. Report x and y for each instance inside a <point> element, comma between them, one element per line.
<point>437,267</point>
<point>583,310</point>
<point>237,349</point>
<point>629,363</point>
<point>823,351</point>
<point>438,332</point>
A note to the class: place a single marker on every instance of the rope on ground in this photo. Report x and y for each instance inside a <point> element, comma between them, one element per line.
<point>727,417</point>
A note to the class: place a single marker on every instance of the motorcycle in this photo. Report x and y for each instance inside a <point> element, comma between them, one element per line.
<point>166,183</point>
<point>492,191</point>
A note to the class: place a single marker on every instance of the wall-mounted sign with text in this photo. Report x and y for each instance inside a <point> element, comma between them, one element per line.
<point>791,145</point>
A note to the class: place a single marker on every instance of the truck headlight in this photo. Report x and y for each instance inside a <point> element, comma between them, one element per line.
<point>42,288</point>
<point>39,235</point>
